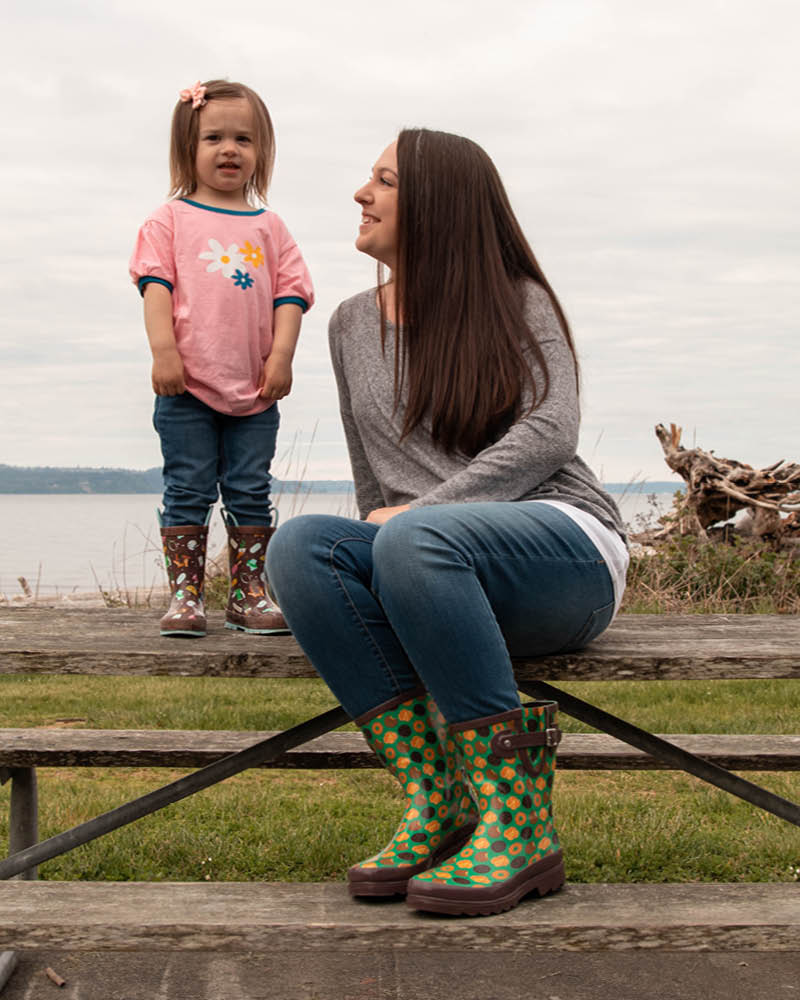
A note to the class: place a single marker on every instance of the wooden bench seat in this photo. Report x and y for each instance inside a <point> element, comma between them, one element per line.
<point>271,917</point>
<point>241,917</point>
<point>179,748</point>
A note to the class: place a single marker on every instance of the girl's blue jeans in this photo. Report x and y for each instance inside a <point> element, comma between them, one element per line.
<point>439,595</point>
<point>206,452</point>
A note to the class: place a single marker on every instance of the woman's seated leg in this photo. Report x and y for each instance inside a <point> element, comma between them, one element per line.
<point>320,568</point>
<point>465,585</point>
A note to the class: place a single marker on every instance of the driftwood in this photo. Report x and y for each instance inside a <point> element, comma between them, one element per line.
<point>718,488</point>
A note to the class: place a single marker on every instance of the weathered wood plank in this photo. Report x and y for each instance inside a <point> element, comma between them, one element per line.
<point>239,917</point>
<point>42,747</point>
<point>636,647</point>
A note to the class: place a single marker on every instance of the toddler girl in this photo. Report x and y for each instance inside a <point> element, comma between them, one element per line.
<point>224,289</point>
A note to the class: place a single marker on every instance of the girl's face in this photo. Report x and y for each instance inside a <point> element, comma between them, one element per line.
<point>226,153</point>
<point>377,234</point>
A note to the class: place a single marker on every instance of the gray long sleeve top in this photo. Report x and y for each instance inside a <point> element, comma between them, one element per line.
<point>534,460</point>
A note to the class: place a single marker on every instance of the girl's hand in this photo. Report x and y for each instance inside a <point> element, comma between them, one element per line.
<point>382,514</point>
<point>167,377</point>
<point>276,377</point>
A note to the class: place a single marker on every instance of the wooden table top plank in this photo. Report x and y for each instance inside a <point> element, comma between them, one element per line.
<point>636,647</point>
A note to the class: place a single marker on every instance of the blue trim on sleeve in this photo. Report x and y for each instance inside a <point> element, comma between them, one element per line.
<point>146,281</point>
<point>293,299</point>
<point>222,211</point>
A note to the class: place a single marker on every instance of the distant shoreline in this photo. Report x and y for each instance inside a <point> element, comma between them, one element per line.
<point>50,480</point>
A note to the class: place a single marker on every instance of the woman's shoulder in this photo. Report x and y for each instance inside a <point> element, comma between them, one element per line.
<point>540,312</point>
<point>535,295</point>
<point>360,309</point>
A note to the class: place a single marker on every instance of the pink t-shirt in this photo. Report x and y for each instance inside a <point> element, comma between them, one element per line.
<point>227,272</point>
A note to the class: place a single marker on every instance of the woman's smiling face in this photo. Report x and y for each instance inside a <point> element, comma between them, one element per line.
<point>377,234</point>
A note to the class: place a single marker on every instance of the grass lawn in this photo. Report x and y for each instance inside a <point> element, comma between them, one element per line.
<point>310,825</point>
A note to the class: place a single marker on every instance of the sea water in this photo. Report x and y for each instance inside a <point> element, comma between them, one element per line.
<point>77,543</point>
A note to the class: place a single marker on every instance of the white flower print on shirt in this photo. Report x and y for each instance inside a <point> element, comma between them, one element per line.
<point>229,260</point>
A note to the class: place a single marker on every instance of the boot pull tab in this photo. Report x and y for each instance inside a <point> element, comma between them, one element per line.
<point>506,743</point>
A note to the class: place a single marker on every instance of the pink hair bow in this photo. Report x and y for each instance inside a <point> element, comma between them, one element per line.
<point>195,94</point>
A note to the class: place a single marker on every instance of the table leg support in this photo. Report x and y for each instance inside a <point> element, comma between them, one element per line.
<point>260,753</point>
<point>8,962</point>
<point>23,832</point>
<point>676,757</point>
<point>24,815</point>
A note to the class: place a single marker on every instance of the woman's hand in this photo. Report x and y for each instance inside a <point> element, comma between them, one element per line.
<point>382,514</point>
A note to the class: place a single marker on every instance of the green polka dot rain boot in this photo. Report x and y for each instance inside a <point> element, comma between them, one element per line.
<point>510,762</point>
<point>409,736</point>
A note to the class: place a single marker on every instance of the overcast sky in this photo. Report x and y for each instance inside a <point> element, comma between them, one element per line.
<point>650,150</point>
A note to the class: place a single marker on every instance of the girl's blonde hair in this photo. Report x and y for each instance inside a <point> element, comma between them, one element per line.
<point>183,141</point>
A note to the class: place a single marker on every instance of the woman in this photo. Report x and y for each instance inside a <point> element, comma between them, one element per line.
<point>482,532</point>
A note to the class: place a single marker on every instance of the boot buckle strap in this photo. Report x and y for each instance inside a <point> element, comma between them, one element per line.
<point>506,743</point>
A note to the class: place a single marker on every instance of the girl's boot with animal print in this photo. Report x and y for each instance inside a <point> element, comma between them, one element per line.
<point>409,736</point>
<point>510,761</point>
<point>185,555</point>
<point>250,607</point>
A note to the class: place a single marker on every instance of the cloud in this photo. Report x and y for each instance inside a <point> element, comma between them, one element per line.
<point>649,152</point>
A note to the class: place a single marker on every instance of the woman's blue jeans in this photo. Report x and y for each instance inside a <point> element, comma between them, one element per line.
<point>205,450</point>
<point>441,595</point>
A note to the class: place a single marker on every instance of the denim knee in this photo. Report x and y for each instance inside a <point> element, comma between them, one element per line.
<point>410,544</point>
<point>290,548</point>
<point>321,568</point>
<point>399,537</point>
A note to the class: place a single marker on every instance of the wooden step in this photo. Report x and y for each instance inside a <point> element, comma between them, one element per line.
<point>42,747</point>
<point>240,917</point>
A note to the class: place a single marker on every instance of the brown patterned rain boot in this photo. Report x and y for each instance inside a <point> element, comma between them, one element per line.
<point>409,736</point>
<point>250,607</point>
<point>185,555</point>
<point>510,762</point>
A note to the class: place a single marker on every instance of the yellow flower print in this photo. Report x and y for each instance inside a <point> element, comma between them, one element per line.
<point>252,255</point>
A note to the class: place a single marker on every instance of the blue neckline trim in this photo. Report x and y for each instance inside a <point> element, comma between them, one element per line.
<point>222,211</point>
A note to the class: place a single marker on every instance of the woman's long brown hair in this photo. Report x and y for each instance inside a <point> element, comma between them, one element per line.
<point>464,352</point>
